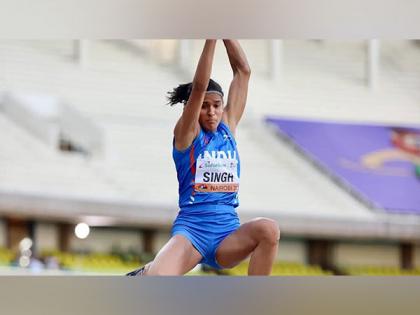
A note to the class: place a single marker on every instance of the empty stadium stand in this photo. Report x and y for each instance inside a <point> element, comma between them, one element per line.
<point>132,182</point>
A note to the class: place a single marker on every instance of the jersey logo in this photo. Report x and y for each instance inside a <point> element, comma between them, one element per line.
<point>226,137</point>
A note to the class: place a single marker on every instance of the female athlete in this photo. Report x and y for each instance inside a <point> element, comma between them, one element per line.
<point>207,228</point>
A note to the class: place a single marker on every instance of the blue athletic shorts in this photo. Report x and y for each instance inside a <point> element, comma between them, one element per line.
<point>206,230</point>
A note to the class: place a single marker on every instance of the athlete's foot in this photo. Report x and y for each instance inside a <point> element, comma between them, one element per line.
<point>137,272</point>
<point>140,272</point>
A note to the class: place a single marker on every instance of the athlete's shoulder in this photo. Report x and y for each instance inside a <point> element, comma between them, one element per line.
<point>195,143</point>
<point>224,127</point>
<point>227,134</point>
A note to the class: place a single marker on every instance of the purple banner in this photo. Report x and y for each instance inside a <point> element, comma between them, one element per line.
<point>380,164</point>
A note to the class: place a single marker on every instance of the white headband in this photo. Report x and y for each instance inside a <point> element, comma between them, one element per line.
<point>216,92</point>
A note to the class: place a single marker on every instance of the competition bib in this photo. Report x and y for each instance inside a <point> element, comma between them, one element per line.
<point>217,171</point>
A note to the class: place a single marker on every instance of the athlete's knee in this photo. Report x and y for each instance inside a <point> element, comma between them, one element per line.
<point>267,230</point>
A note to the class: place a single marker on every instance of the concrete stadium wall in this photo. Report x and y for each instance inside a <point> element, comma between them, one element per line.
<point>2,233</point>
<point>46,236</point>
<point>353,254</point>
<point>103,240</point>
<point>417,256</point>
<point>292,251</point>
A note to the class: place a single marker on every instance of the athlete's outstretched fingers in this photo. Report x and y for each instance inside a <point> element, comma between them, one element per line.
<point>177,257</point>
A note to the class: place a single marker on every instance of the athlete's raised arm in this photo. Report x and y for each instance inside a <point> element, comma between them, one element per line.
<point>238,89</point>
<point>187,127</point>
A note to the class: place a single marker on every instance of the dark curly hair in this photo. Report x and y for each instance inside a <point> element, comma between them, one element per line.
<point>182,92</point>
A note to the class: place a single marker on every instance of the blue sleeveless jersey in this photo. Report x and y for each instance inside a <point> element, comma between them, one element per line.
<point>208,172</point>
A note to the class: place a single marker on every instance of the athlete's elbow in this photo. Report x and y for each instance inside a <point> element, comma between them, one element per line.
<point>243,70</point>
<point>246,70</point>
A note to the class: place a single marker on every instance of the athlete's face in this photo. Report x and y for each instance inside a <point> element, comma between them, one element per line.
<point>211,111</point>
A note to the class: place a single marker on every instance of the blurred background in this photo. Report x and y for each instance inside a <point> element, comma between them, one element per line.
<point>329,144</point>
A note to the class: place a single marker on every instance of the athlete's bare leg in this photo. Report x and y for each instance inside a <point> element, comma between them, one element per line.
<point>258,238</point>
<point>177,257</point>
